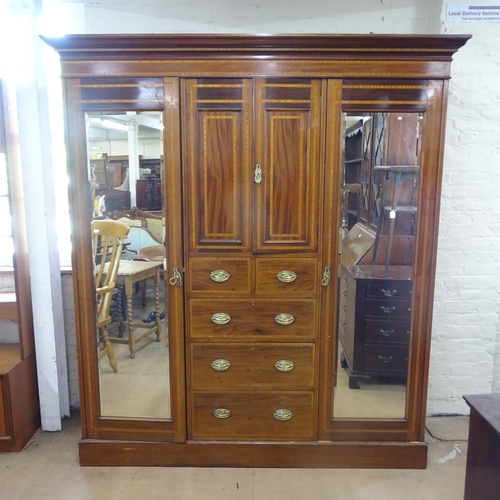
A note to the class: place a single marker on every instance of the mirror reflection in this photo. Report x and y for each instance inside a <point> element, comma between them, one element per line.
<point>125,168</point>
<point>381,168</point>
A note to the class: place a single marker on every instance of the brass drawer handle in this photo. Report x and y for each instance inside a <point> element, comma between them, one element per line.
<point>282,415</point>
<point>221,413</point>
<point>284,365</point>
<point>389,293</point>
<point>286,276</point>
<point>221,365</point>
<point>221,318</point>
<point>385,359</point>
<point>284,319</point>
<point>219,276</point>
<point>388,310</point>
<point>386,333</point>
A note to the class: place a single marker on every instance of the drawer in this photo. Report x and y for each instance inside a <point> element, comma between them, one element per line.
<point>382,358</point>
<point>238,319</point>
<point>394,289</point>
<point>251,416</point>
<point>387,331</point>
<point>388,308</point>
<point>284,366</point>
<point>279,275</point>
<point>219,275</point>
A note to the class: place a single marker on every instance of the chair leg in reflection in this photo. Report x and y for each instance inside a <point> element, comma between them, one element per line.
<point>130,273</point>
<point>108,348</point>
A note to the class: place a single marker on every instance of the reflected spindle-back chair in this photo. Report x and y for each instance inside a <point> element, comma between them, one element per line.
<point>107,245</point>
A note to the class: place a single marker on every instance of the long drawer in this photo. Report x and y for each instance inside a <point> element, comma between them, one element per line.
<point>266,416</point>
<point>379,330</point>
<point>239,319</point>
<point>219,275</point>
<point>381,358</point>
<point>388,308</point>
<point>395,289</point>
<point>278,366</point>
<point>286,275</point>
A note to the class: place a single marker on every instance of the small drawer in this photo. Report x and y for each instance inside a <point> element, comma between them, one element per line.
<point>280,366</point>
<point>219,275</point>
<point>237,319</point>
<point>382,358</point>
<point>389,308</point>
<point>243,416</point>
<point>389,289</point>
<point>279,275</point>
<point>387,331</point>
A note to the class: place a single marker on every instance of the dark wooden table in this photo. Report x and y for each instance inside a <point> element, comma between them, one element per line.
<point>482,478</point>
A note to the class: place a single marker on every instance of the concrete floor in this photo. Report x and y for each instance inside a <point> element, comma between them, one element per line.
<point>48,469</point>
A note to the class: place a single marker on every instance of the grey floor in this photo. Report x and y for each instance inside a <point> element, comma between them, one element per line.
<point>48,469</point>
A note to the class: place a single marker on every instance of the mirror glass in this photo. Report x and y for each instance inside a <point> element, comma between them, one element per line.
<point>381,171</point>
<point>125,153</point>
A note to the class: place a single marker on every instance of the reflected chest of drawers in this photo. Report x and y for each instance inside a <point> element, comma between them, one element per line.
<point>374,319</point>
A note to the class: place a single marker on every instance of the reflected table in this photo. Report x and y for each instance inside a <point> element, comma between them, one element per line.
<point>129,273</point>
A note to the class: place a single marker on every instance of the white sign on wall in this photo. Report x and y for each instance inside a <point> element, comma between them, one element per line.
<point>466,13</point>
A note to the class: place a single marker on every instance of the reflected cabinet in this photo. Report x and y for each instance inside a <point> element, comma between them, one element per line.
<point>300,181</point>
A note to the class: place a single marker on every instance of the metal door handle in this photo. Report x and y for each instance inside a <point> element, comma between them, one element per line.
<point>176,279</point>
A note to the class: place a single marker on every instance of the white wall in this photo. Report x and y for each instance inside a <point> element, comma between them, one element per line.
<point>263,16</point>
<point>465,356</point>
<point>465,353</point>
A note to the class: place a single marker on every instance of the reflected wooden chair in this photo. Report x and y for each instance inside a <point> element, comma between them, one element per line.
<point>107,245</point>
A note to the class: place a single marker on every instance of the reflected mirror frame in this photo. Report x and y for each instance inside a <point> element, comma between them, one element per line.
<point>349,158</point>
<point>115,117</point>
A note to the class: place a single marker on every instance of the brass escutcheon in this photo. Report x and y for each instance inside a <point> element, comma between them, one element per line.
<point>286,276</point>
<point>221,365</point>
<point>221,413</point>
<point>284,365</point>
<point>284,319</point>
<point>282,415</point>
<point>219,276</point>
<point>221,318</point>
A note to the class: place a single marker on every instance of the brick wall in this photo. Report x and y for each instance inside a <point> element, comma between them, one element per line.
<point>465,354</point>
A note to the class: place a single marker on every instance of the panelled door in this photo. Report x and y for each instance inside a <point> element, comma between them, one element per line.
<point>252,217</point>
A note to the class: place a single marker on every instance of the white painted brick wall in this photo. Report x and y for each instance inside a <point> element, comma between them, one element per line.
<point>465,351</point>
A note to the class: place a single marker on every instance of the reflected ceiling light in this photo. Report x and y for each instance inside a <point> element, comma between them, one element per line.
<point>114,125</point>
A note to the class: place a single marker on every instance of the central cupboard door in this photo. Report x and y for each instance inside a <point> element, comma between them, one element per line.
<point>252,216</point>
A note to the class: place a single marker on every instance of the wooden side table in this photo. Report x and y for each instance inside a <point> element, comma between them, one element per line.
<point>129,273</point>
<point>482,477</point>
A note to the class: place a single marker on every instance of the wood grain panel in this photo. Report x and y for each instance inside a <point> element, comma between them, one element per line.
<point>253,366</point>
<point>389,455</point>
<point>252,416</point>
<point>3,414</point>
<point>252,318</point>
<point>122,93</point>
<point>380,94</point>
<point>217,163</point>
<point>288,150</point>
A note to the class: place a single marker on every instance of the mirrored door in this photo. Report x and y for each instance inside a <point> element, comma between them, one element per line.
<point>379,214</point>
<point>125,152</point>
